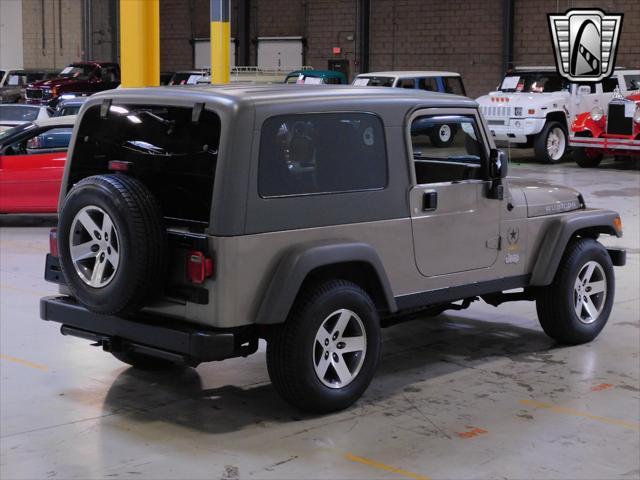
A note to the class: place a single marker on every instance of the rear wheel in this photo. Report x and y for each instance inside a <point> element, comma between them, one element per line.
<point>551,143</point>
<point>112,244</point>
<point>587,157</point>
<point>576,306</point>
<point>324,356</point>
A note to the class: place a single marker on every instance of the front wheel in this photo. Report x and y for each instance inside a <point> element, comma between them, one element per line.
<point>576,306</point>
<point>551,143</point>
<point>587,157</point>
<point>324,356</point>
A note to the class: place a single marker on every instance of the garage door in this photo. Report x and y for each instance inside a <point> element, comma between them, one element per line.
<point>202,53</point>
<point>280,53</point>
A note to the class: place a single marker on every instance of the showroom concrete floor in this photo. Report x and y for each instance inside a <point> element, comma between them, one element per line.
<point>481,393</point>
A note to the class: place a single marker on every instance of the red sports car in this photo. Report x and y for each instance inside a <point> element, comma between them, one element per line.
<point>616,132</point>
<point>32,158</point>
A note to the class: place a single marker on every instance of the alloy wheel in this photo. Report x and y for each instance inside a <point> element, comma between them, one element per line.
<point>590,292</point>
<point>339,348</point>
<point>94,246</point>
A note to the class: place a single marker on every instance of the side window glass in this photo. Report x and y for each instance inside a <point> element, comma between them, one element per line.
<point>429,84</point>
<point>407,83</point>
<point>52,139</point>
<point>632,81</point>
<point>609,84</point>
<point>446,148</point>
<point>321,153</point>
<point>453,85</point>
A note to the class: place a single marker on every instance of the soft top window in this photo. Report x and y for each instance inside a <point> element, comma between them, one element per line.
<point>171,154</point>
<point>321,153</point>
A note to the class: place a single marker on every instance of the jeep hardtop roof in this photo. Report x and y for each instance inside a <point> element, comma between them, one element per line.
<point>263,94</point>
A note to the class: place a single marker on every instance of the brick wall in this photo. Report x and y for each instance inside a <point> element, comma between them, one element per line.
<point>59,41</point>
<point>532,45</point>
<point>455,35</point>
<point>459,35</point>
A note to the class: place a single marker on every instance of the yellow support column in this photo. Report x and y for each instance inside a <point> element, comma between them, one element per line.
<point>220,41</point>
<point>140,43</point>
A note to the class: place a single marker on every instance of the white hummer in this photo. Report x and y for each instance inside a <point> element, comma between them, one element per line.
<point>535,106</point>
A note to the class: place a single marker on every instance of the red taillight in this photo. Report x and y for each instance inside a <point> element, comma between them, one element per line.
<point>119,166</point>
<point>53,242</point>
<point>199,267</point>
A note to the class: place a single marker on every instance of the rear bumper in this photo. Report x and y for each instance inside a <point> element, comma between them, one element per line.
<point>156,336</point>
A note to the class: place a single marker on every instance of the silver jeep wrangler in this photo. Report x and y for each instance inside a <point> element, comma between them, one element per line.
<point>195,221</point>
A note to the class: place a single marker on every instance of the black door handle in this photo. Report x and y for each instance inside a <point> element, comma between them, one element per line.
<point>429,201</point>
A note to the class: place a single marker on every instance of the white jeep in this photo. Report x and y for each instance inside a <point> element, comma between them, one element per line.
<point>534,106</point>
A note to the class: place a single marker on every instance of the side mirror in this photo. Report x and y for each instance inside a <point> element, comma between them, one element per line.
<point>498,164</point>
<point>584,90</point>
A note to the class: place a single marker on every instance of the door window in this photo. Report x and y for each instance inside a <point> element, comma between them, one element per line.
<point>446,148</point>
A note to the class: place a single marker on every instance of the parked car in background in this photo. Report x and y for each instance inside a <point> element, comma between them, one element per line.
<point>14,82</point>
<point>615,131</point>
<point>81,78</point>
<point>431,81</point>
<point>13,115</point>
<point>32,159</point>
<point>188,77</point>
<point>69,106</point>
<point>441,135</point>
<point>534,107</point>
<point>316,77</point>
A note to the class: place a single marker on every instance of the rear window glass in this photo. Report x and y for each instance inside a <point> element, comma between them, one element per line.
<point>172,155</point>
<point>321,153</point>
<point>18,113</point>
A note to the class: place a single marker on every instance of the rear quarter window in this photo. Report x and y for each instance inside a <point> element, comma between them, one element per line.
<point>321,153</point>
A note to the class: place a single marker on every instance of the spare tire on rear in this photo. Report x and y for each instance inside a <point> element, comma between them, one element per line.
<point>112,244</point>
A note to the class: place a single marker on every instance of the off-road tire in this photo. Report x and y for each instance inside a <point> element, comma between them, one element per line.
<point>145,362</point>
<point>142,236</point>
<point>555,302</point>
<point>540,142</point>
<point>587,157</point>
<point>290,347</point>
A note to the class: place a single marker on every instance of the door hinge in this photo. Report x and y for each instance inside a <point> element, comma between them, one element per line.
<point>495,243</point>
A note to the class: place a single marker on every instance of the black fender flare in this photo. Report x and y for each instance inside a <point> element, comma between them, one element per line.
<point>299,261</point>
<point>561,231</point>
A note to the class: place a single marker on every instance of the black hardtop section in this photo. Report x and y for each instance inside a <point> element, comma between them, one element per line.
<point>261,95</point>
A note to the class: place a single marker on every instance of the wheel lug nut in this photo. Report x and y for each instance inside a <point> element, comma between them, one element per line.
<point>326,355</point>
<point>326,341</point>
<point>335,357</point>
